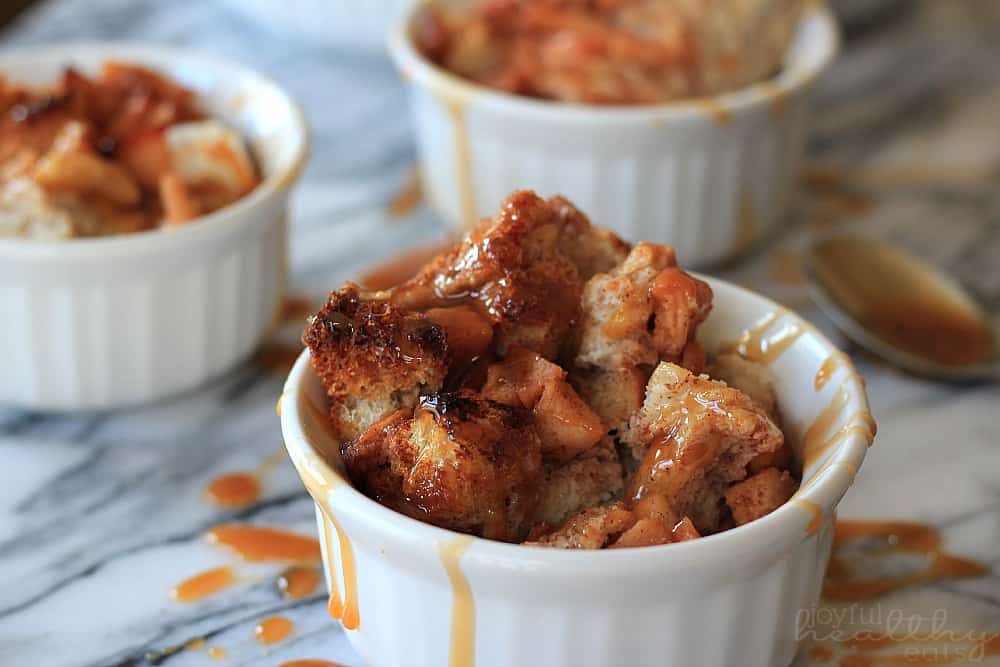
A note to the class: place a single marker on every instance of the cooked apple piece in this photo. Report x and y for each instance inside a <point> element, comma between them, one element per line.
<point>760,495</point>
<point>566,425</point>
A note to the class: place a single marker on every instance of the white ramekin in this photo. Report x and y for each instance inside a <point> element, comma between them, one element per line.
<point>709,176</point>
<point>360,25</point>
<point>106,322</point>
<point>728,600</point>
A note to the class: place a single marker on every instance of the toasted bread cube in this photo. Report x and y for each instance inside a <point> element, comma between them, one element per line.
<point>373,358</point>
<point>592,528</point>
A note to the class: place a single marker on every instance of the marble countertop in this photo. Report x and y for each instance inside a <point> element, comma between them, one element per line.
<point>101,515</point>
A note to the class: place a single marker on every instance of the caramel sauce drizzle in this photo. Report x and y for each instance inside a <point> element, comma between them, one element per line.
<point>815,512</point>
<point>777,95</point>
<point>719,114</point>
<point>349,616</point>
<point>462,652</point>
<point>273,629</point>
<point>833,363</point>
<point>217,653</point>
<point>259,544</point>
<point>463,161</point>
<point>755,345</point>
<point>203,584</point>
<point>335,604</point>
<point>296,583</point>
<point>895,536</point>
<point>407,199</point>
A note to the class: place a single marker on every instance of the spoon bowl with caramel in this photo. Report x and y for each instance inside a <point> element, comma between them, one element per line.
<point>903,309</point>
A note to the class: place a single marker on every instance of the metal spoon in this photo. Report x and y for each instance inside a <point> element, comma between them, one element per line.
<point>903,309</point>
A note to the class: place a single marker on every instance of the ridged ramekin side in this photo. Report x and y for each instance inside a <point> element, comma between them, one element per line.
<point>98,335</point>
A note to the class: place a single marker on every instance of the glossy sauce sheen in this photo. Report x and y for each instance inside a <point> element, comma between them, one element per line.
<point>298,582</point>
<point>273,629</point>
<point>898,301</point>
<point>259,544</point>
<point>462,652</point>
<point>203,584</point>
<point>896,536</point>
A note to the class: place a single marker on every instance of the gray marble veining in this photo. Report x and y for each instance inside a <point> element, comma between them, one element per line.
<point>100,515</point>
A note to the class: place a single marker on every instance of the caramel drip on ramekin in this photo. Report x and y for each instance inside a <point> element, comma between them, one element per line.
<point>462,652</point>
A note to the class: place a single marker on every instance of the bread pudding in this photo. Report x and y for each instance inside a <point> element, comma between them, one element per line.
<point>542,382</point>
<point>123,152</point>
<point>610,51</point>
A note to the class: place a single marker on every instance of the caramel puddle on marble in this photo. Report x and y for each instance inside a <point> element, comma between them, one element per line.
<point>974,648</point>
<point>235,489</point>
<point>240,489</point>
<point>273,629</point>
<point>259,544</point>
<point>296,583</point>
<point>409,198</point>
<point>895,537</point>
<point>403,266</point>
<point>311,663</point>
<point>203,584</point>
<point>462,652</point>
<point>463,161</point>
<point>217,653</point>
